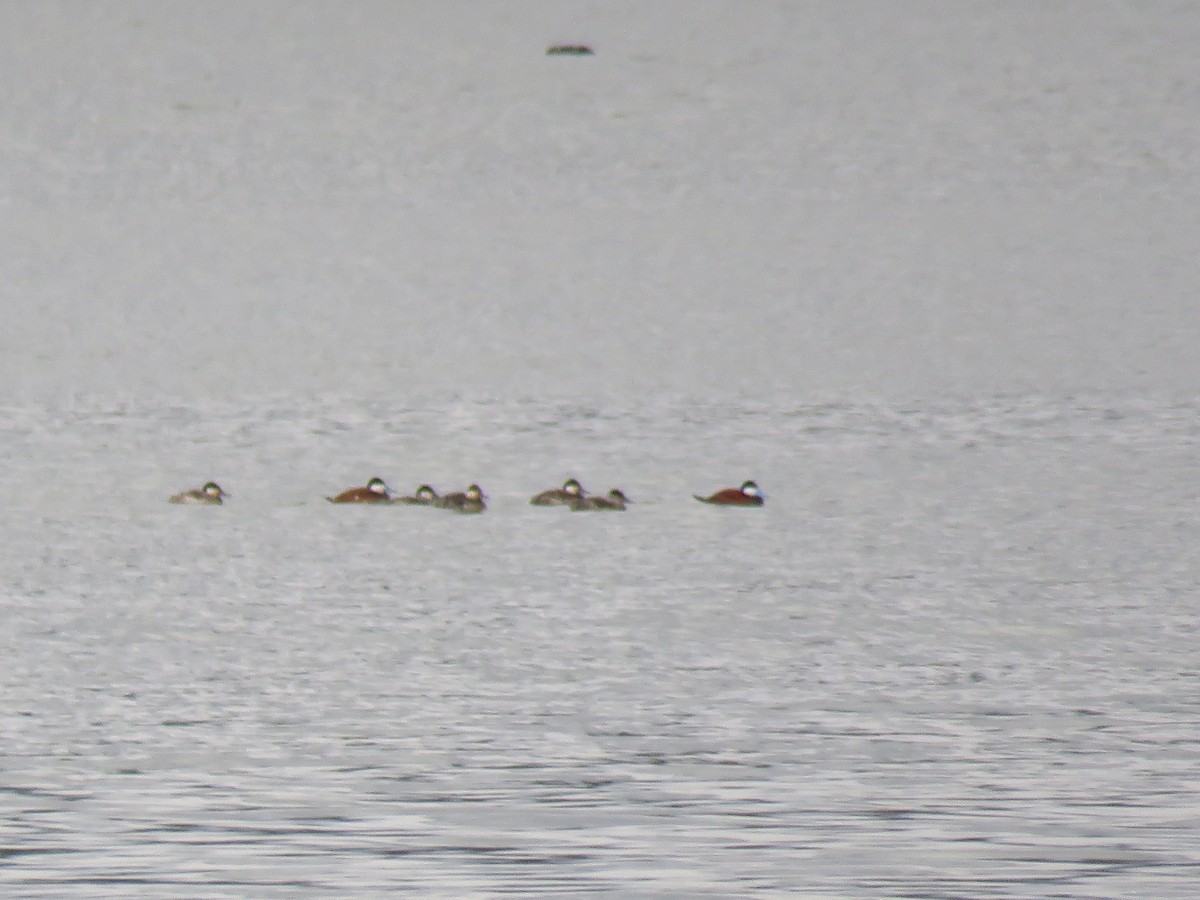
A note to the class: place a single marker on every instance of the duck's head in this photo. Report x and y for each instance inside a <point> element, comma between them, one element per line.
<point>377,486</point>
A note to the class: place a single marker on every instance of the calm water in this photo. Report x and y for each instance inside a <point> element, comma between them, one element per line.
<point>954,656</point>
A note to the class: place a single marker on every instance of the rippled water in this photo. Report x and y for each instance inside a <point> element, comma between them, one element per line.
<point>925,271</point>
<point>953,656</point>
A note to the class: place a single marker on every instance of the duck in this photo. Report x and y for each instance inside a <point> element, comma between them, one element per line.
<point>570,492</point>
<point>614,500</point>
<point>423,496</point>
<point>210,495</point>
<point>472,500</point>
<point>375,491</point>
<point>747,495</point>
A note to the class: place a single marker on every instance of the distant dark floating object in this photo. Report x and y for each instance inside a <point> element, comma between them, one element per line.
<point>569,50</point>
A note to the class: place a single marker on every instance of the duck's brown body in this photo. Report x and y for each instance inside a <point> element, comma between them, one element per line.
<point>571,491</point>
<point>375,491</point>
<point>747,495</point>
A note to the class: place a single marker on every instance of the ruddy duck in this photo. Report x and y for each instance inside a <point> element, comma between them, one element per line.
<point>570,492</point>
<point>424,496</point>
<point>211,495</point>
<point>469,501</point>
<point>375,491</point>
<point>747,495</point>
<point>614,499</point>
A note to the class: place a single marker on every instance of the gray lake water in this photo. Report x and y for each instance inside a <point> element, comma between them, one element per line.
<point>925,271</point>
<point>954,655</point>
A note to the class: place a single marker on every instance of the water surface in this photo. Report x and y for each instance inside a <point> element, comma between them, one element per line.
<point>952,656</point>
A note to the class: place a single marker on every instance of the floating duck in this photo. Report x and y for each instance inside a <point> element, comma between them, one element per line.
<point>469,501</point>
<point>747,495</point>
<point>210,495</point>
<point>614,499</point>
<point>571,491</point>
<point>375,491</point>
<point>423,496</point>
